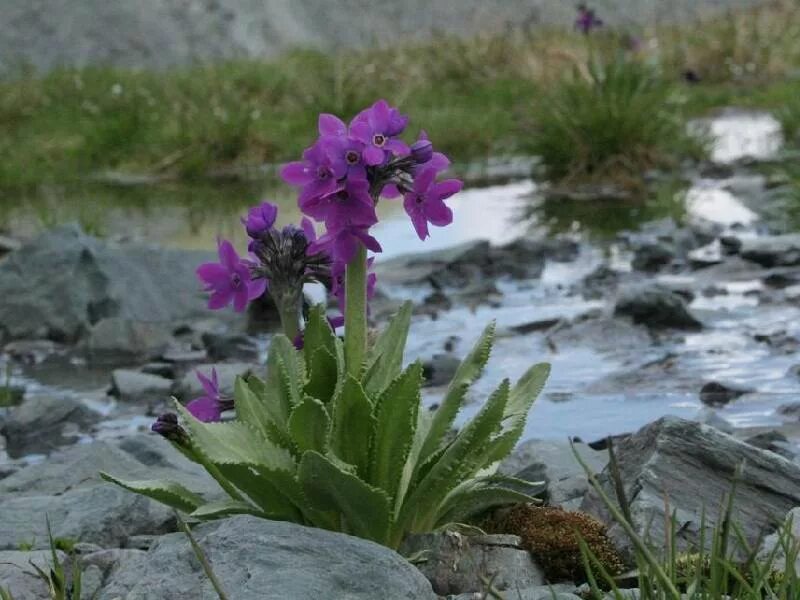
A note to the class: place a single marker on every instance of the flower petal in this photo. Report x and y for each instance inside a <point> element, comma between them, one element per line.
<point>448,187</point>
<point>256,288</point>
<point>205,409</point>
<point>374,156</point>
<point>228,255</point>
<point>214,275</point>
<point>331,125</point>
<point>438,213</point>
<point>398,147</point>
<point>296,173</point>
<point>220,299</point>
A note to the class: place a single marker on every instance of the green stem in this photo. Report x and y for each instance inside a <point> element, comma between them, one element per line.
<point>355,317</point>
<point>289,313</point>
<point>198,552</point>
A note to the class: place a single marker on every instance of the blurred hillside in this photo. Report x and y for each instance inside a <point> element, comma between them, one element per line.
<point>159,33</point>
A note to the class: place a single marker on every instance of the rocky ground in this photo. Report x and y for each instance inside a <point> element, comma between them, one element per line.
<point>157,33</point>
<point>697,318</point>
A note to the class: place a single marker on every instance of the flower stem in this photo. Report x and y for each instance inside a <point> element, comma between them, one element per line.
<point>355,317</point>
<point>289,312</point>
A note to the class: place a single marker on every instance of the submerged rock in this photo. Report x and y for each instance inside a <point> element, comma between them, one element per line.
<point>456,563</point>
<point>691,466</point>
<point>715,393</point>
<point>655,306</point>
<point>61,284</point>
<point>43,423</point>
<point>135,386</point>
<point>257,559</point>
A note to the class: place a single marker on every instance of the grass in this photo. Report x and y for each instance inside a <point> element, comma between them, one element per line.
<point>476,97</point>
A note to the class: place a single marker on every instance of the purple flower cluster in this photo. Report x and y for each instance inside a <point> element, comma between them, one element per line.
<point>587,20</point>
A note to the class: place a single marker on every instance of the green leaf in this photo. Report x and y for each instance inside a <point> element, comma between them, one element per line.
<point>167,492</point>
<point>468,371</point>
<point>285,365</point>
<point>224,508</point>
<point>318,334</point>
<point>462,459</point>
<point>323,375</point>
<point>385,359</point>
<point>396,414</point>
<point>262,410</point>
<point>364,509</point>
<point>475,497</point>
<point>353,425</point>
<point>309,425</point>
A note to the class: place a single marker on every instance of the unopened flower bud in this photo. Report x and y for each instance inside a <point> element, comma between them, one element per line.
<point>167,426</point>
<point>422,151</point>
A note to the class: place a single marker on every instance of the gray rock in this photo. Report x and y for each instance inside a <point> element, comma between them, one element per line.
<point>552,462</point>
<point>8,244</point>
<point>652,256</point>
<point>42,423</point>
<point>135,386</point>
<point>62,283</point>
<point>791,410</point>
<point>231,347</point>
<point>455,564</point>
<point>692,465</point>
<point>715,393</point>
<point>656,307</point>
<point>775,251</point>
<point>537,592</point>
<point>601,334</point>
<point>189,386</point>
<point>118,340</point>
<point>102,514</point>
<point>256,559</point>
<point>772,441</point>
<point>19,578</point>
<point>439,370</point>
<point>772,543</point>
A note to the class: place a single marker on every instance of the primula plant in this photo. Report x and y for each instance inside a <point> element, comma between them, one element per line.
<point>333,435</point>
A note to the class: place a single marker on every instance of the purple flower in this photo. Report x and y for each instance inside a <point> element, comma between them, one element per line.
<point>425,202</point>
<point>209,408</point>
<point>260,218</point>
<point>316,174</point>
<point>342,244</point>
<point>587,20</point>
<point>351,205</point>
<point>375,128</point>
<point>230,280</point>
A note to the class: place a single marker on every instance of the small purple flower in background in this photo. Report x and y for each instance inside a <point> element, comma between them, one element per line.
<point>425,202</point>
<point>587,20</point>
<point>209,407</point>
<point>260,219</point>
<point>230,280</point>
<point>376,128</point>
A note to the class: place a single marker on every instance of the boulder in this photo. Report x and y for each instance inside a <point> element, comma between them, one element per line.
<point>552,462</point>
<point>105,515</point>
<point>43,423</point>
<point>652,256</point>
<point>775,251</point>
<point>690,467</point>
<point>537,592</point>
<point>715,393</point>
<point>772,543</point>
<point>656,307</point>
<point>135,386</point>
<point>256,559</point>
<point>62,283</point>
<point>18,576</point>
<point>455,564</point>
<point>117,340</point>
<point>189,386</point>
<point>231,347</point>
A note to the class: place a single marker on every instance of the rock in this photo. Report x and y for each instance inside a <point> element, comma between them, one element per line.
<point>135,386</point>
<point>189,387</point>
<point>715,393</point>
<point>772,543</point>
<point>162,369</point>
<point>552,462</point>
<point>601,334</point>
<point>775,251</point>
<point>118,340</point>
<point>102,514</point>
<point>791,410</point>
<point>652,256</point>
<point>455,564</point>
<point>146,456</point>
<point>42,423</point>
<point>772,441</point>
<point>32,352</point>
<point>691,466</point>
<point>599,282</point>
<point>62,283</point>
<point>535,326</point>
<point>779,340</point>
<point>439,370</point>
<point>302,563</point>
<point>655,306</point>
<point>9,244</point>
<point>19,578</point>
<point>537,592</point>
<point>705,256</point>
<point>231,347</point>
<point>184,356</point>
